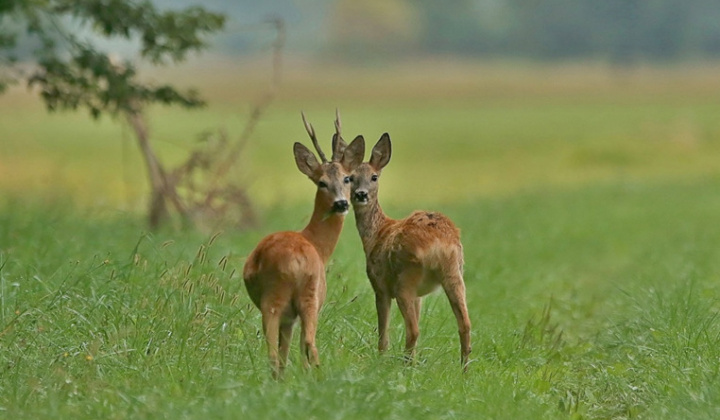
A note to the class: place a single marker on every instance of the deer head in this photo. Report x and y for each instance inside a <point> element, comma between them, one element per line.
<point>366,175</point>
<point>331,177</point>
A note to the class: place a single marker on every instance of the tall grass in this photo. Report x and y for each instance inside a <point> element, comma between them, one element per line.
<point>594,303</point>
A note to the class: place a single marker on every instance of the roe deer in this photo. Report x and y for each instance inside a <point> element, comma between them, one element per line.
<point>409,258</point>
<point>285,274</point>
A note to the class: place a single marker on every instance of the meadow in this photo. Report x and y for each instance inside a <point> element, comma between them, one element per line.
<point>589,206</point>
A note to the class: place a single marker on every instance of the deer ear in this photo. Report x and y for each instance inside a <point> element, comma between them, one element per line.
<point>306,161</point>
<point>381,152</point>
<point>338,147</point>
<point>354,154</point>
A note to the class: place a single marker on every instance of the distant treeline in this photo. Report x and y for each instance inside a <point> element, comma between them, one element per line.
<point>617,30</point>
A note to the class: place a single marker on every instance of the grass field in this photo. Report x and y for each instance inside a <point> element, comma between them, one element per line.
<point>590,214</point>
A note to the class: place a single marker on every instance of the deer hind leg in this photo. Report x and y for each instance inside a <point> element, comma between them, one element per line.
<point>412,330</point>
<point>308,322</point>
<point>418,307</point>
<point>271,329</point>
<point>455,290</point>
<point>382,304</point>
<point>286,332</point>
<point>407,300</point>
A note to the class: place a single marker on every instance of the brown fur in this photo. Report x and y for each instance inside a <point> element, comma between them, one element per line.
<point>408,258</point>
<point>285,274</point>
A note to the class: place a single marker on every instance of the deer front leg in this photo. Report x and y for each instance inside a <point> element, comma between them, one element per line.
<point>382,304</point>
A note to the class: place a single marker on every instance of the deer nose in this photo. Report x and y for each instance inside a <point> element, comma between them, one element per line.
<point>340,206</point>
<point>361,195</point>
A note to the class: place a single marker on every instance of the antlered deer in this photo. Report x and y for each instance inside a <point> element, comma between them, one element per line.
<point>285,274</point>
<point>409,258</point>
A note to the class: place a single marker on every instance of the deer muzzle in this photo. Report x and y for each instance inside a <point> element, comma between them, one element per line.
<point>360,197</point>
<point>340,206</point>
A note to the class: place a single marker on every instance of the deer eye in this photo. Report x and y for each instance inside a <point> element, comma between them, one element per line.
<point>347,179</point>
<point>322,184</point>
<point>374,178</point>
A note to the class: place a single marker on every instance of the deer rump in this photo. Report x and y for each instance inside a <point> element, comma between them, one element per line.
<point>285,269</point>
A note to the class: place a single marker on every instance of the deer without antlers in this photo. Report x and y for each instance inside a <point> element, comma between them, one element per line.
<point>285,274</point>
<point>409,258</point>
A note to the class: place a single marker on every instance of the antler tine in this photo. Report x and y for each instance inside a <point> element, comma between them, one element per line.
<point>337,122</point>
<point>338,144</point>
<point>311,132</point>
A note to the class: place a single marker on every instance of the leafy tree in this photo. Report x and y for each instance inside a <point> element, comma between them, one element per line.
<point>72,73</point>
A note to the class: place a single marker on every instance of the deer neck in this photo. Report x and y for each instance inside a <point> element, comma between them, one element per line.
<point>369,219</point>
<point>324,229</point>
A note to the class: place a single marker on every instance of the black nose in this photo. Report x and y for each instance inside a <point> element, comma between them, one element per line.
<point>361,195</point>
<point>340,206</point>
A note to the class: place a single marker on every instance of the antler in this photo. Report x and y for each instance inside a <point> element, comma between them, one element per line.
<point>311,132</point>
<point>338,144</point>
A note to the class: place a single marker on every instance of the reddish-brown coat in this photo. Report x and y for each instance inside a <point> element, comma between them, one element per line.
<point>408,258</point>
<point>285,274</point>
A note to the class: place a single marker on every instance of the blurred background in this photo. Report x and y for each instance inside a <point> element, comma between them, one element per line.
<point>620,32</point>
<point>617,31</point>
<point>481,98</point>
